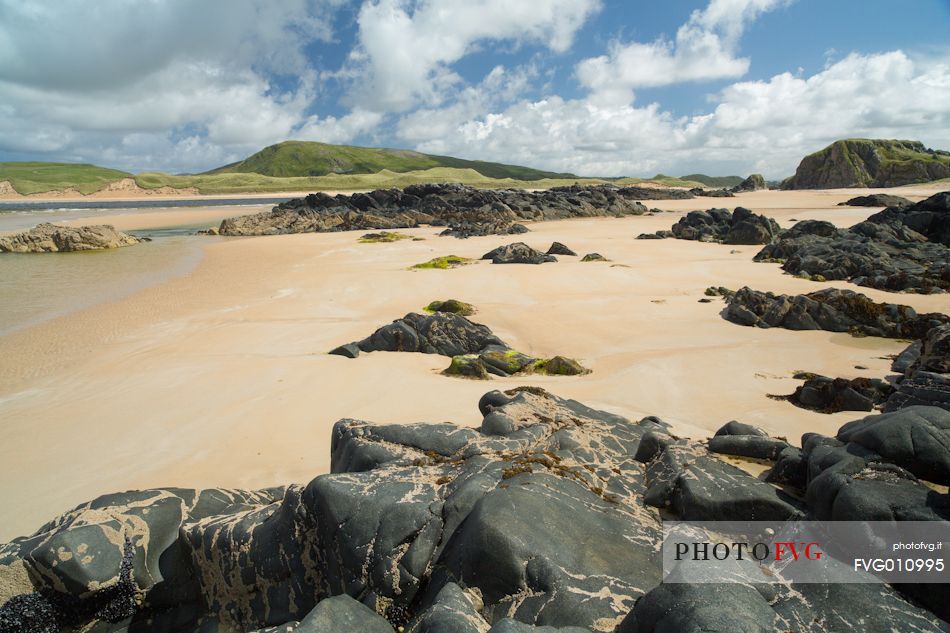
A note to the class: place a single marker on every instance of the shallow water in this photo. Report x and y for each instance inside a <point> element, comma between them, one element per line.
<point>37,287</point>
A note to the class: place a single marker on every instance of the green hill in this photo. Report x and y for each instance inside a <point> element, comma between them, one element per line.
<point>870,163</point>
<point>35,177</point>
<point>719,182</point>
<point>307,158</point>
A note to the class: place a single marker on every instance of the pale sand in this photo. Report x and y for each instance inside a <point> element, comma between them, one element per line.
<point>221,378</point>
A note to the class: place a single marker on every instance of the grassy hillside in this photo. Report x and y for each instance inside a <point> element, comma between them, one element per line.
<point>33,177</point>
<point>306,158</point>
<point>228,183</point>
<point>720,182</point>
<point>870,163</point>
<point>661,180</point>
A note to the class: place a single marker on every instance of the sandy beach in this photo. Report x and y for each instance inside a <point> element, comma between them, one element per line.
<point>220,377</point>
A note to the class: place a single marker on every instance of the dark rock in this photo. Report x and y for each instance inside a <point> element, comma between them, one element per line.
<point>659,235</point>
<point>350,350</point>
<point>465,211</point>
<point>560,249</point>
<point>877,200</point>
<point>748,446</point>
<point>594,257</point>
<point>744,608</point>
<point>467,366</point>
<point>719,225</point>
<point>898,249</point>
<point>562,366</point>
<point>755,182</point>
<point>517,253</point>
<point>696,487</point>
<point>830,395</point>
<point>789,469</point>
<point>735,427</point>
<point>712,193</point>
<point>916,438</point>
<point>832,309</point>
<point>453,611</point>
<point>452,305</point>
<point>925,366</point>
<point>342,613</point>
<point>440,333</point>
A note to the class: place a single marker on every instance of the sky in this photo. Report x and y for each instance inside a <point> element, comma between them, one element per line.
<point>592,87</point>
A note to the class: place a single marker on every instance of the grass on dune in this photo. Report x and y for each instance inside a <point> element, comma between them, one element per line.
<point>225,183</point>
<point>35,177</point>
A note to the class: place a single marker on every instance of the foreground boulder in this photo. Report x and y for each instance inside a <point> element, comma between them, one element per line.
<point>719,225</point>
<point>475,350</point>
<point>832,309</point>
<point>53,238</point>
<point>903,248</point>
<point>544,518</point>
<point>466,211</point>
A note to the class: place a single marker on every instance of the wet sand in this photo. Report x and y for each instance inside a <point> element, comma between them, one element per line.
<point>220,377</point>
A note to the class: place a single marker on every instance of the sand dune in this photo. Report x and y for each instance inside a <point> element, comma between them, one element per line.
<point>221,377</point>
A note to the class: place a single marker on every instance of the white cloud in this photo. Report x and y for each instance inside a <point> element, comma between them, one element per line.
<point>95,80</point>
<point>405,51</point>
<point>338,129</point>
<point>765,126</point>
<point>705,48</point>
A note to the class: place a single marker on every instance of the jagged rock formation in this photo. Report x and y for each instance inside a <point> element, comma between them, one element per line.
<point>466,211</point>
<point>544,516</point>
<point>719,225</point>
<point>52,238</point>
<point>755,182</point>
<point>925,372</point>
<point>869,163</point>
<point>900,248</point>
<point>831,309</point>
<point>475,351</point>
<point>517,253</point>
<point>830,395</point>
<point>877,200</point>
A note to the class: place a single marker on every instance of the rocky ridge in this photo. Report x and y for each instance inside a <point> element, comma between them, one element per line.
<point>547,515</point>
<point>832,309</point>
<point>53,238</point>
<point>900,248</point>
<point>465,211</point>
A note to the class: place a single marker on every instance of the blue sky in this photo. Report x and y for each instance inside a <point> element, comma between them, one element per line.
<point>595,87</point>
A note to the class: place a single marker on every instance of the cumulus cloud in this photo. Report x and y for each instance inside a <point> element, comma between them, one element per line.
<point>82,80</point>
<point>705,48</point>
<point>405,49</point>
<point>764,126</point>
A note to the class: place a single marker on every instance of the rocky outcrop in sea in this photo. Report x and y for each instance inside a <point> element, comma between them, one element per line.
<point>465,211</point>
<point>474,349</point>
<point>546,515</point>
<point>53,238</point>
<point>897,249</point>
<point>755,182</point>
